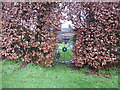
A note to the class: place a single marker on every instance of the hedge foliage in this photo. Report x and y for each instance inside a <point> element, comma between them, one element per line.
<point>98,35</point>
<point>29,31</point>
<point>26,32</point>
<point>96,28</point>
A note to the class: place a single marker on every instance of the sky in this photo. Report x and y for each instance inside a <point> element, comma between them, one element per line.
<point>66,24</point>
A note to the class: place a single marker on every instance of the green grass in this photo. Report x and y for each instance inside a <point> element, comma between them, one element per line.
<point>34,76</point>
<point>65,56</point>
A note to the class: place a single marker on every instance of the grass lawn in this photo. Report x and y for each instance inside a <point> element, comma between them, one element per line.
<point>60,76</point>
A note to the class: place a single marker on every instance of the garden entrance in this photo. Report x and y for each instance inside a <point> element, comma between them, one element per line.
<point>65,43</point>
<point>30,32</point>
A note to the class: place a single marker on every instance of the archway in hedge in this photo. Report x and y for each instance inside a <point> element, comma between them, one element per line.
<point>29,31</point>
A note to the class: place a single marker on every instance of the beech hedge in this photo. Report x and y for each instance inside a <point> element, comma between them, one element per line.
<point>29,31</point>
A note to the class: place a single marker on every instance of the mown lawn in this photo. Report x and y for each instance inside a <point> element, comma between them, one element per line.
<point>60,76</point>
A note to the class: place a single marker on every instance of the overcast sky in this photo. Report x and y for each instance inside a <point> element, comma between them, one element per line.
<point>66,24</point>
